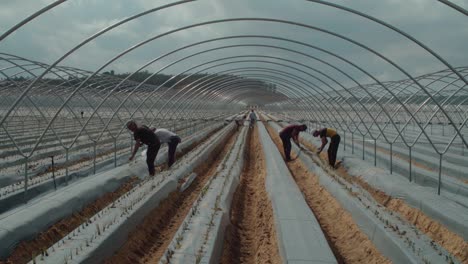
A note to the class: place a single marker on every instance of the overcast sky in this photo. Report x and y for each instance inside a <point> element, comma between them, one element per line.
<point>51,35</point>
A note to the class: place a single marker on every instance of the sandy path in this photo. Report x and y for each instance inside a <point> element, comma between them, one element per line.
<point>452,242</point>
<point>151,238</point>
<point>348,242</point>
<point>25,250</point>
<point>252,236</point>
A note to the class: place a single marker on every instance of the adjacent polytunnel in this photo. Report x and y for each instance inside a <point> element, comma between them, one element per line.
<point>196,131</point>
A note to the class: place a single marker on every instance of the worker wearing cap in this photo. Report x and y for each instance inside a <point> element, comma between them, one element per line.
<point>288,132</point>
<point>145,135</point>
<point>334,143</point>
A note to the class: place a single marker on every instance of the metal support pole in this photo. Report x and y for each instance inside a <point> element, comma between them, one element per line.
<point>363,147</point>
<point>352,143</point>
<point>66,166</point>
<point>94,158</point>
<point>53,172</point>
<point>375,152</point>
<point>26,179</point>
<point>440,175</point>
<point>391,158</point>
<point>410,166</point>
<point>115,152</point>
<point>344,141</point>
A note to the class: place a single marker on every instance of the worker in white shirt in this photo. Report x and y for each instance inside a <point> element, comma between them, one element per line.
<point>172,140</point>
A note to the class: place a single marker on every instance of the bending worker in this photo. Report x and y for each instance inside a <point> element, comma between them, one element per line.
<point>145,135</point>
<point>253,118</point>
<point>239,121</point>
<point>334,143</point>
<point>291,131</point>
<point>172,140</point>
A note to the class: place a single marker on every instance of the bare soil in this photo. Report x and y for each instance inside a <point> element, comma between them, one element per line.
<point>148,242</point>
<point>251,237</point>
<point>348,242</point>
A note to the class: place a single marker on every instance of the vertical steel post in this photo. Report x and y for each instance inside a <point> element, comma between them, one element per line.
<point>352,143</point>
<point>440,175</point>
<point>391,158</point>
<point>66,166</point>
<point>53,172</point>
<point>26,179</point>
<point>410,166</point>
<point>363,147</point>
<point>115,152</point>
<point>375,152</point>
<point>344,141</point>
<point>94,158</point>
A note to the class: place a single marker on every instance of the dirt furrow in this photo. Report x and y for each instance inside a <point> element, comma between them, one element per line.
<point>348,242</point>
<point>251,237</point>
<point>151,238</point>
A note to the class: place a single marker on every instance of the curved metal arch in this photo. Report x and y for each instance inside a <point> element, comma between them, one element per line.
<point>399,84</point>
<point>228,71</point>
<point>85,42</point>
<point>34,105</point>
<point>309,75</point>
<point>201,70</point>
<point>220,87</point>
<point>234,94</point>
<point>398,67</point>
<point>54,72</point>
<point>454,6</point>
<point>354,42</point>
<point>233,62</point>
<point>231,71</point>
<point>195,91</point>
<point>263,70</point>
<point>315,48</point>
<point>167,90</point>
<point>31,17</point>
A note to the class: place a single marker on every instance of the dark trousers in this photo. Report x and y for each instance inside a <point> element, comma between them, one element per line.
<point>333,149</point>
<point>151,154</point>
<point>175,140</point>
<point>286,146</point>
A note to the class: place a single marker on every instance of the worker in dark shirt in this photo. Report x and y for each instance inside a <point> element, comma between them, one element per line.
<point>291,131</point>
<point>145,135</point>
<point>334,143</point>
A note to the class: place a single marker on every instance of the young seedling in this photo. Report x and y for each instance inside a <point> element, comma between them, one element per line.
<point>98,229</point>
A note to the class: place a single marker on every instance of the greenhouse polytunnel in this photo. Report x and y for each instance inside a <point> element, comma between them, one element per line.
<point>264,131</point>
